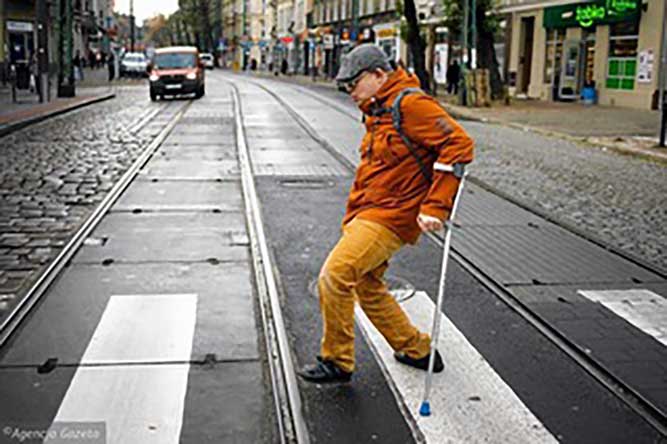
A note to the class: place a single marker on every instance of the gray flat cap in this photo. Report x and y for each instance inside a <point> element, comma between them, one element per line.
<point>366,57</point>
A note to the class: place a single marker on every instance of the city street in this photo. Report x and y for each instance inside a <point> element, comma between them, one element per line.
<point>159,265</point>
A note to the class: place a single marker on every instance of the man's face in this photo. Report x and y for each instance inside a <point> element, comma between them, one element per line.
<point>367,85</point>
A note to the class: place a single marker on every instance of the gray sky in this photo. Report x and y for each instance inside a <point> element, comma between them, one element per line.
<point>144,9</point>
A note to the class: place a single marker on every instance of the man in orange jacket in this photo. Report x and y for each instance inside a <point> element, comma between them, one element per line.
<point>405,184</point>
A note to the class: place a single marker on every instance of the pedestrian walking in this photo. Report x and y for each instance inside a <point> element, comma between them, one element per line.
<point>111,66</point>
<point>34,73</point>
<point>453,77</point>
<point>405,185</point>
<point>77,62</point>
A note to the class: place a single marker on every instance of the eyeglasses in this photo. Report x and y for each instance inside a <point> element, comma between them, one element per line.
<point>350,85</point>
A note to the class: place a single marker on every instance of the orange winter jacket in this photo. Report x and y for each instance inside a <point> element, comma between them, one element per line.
<point>389,188</point>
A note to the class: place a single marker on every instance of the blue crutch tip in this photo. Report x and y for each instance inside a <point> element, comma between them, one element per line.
<point>425,409</point>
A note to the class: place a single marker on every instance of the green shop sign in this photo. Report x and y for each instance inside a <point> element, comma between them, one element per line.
<point>599,12</point>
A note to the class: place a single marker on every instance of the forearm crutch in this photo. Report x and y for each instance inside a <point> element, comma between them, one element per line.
<point>425,409</point>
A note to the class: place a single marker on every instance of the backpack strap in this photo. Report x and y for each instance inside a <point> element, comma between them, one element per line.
<point>458,169</point>
<point>396,120</point>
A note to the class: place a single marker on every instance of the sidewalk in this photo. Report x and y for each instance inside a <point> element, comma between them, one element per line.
<point>626,130</point>
<point>27,110</point>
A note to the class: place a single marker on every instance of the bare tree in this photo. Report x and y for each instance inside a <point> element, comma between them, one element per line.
<point>416,44</point>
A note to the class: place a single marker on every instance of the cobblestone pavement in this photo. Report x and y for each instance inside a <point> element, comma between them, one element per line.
<point>619,199</point>
<point>53,174</point>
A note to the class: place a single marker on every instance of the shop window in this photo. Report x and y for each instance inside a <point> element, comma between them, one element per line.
<point>622,62</point>
<point>377,6</point>
<point>553,54</point>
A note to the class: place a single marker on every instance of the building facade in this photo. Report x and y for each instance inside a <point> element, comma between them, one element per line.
<point>18,29</point>
<point>608,50</point>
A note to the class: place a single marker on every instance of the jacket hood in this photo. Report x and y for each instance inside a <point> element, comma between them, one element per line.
<point>397,81</point>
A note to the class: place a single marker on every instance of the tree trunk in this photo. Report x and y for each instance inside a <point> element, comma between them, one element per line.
<point>416,45</point>
<point>486,54</point>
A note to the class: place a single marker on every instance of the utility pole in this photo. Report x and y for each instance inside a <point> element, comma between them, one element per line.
<point>473,35</point>
<point>354,32</point>
<point>463,94</point>
<point>131,25</point>
<point>663,80</point>
<point>65,47</point>
<point>42,50</point>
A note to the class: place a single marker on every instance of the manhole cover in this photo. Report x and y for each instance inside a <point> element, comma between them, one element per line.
<point>306,183</point>
<point>401,289</point>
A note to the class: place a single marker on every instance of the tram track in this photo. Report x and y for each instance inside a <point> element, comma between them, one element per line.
<point>633,399</point>
<point>291,424</point>
<point>12,321</point>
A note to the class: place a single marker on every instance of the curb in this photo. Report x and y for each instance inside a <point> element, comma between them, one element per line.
<point>14,126</point>
<point>455,112</point>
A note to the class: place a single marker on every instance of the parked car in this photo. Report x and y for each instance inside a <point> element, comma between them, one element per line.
<point>133,64</point>
<point>176,70</point>
<point>207,59</point>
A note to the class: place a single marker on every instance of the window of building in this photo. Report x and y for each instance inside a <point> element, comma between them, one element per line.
<point>553,54</point>
<point>622,62</point>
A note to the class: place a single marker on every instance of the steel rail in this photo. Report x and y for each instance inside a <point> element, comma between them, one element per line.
<point>34,294</point>
<point>291,423</point>
<point>638,403</point>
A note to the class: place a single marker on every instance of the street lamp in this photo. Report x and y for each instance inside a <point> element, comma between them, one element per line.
<point>42,51</point>
<point>131,25</point>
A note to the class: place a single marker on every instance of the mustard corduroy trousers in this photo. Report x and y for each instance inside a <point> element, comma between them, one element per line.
<point>353,271</point>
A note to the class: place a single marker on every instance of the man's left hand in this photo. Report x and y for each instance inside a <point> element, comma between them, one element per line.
<point>429,223</point>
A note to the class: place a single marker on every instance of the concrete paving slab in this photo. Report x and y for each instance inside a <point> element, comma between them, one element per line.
<point>199,139</point>
<point>203,128</point>
<point>202,114</point>
<point>480,207</point>
<point>225,196</point>
<point>287,134</point>
<point>62,325</point>
<point>291,155</point>
<point>543,254</point>
<point>30,400</point>
<point>275,143</point>
<point>165,237</point>
<point>229,403</point>
<point>196,152</point>
<point>193,169</point>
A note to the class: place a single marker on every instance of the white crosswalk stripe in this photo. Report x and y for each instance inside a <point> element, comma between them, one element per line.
<point>138,402</point>
<point>470,403</point>
<point>642,308</point>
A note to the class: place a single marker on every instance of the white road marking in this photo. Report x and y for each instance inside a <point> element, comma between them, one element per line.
<point>138,403</point>
<point>642,308</point>
<point>470,403</point>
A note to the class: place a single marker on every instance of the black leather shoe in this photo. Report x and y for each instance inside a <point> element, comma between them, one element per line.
<point>323,372</point>
<point>422,363</point>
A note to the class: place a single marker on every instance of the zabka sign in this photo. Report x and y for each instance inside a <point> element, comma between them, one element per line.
<point>586,15</point>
